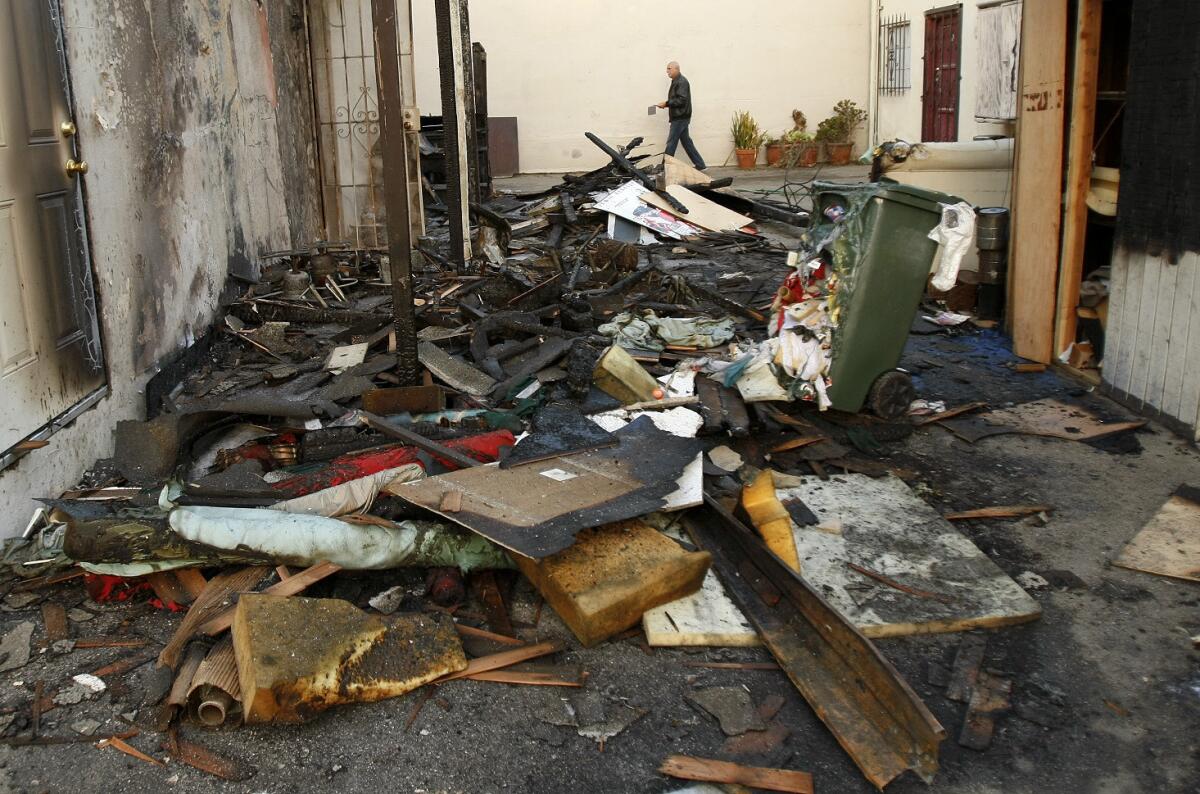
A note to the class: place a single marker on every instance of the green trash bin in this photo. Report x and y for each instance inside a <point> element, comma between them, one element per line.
<point>882,255</point>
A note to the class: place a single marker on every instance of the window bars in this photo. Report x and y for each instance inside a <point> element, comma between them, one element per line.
<point>895,55</point>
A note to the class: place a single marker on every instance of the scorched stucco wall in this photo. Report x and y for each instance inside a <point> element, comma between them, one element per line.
<point>195,118</point>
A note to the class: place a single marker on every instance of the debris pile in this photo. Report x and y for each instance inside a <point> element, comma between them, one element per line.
<point>617,397</point>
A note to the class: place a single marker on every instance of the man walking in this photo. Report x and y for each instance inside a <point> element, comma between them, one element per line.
<point>679,100</point>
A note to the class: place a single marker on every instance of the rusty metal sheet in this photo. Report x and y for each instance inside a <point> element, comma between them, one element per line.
<point>536,509</point>
<point>855,691</point>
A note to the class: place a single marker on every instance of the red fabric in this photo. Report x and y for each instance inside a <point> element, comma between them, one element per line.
<point>104,589</point>
<point>484,448</point>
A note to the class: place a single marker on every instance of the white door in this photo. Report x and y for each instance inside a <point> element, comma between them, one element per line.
<point>49,347</point>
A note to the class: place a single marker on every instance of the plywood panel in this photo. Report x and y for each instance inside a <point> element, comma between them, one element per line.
<point>1037,210</point>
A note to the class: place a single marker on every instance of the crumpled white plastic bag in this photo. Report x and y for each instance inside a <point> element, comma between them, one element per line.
<point>955,234</point>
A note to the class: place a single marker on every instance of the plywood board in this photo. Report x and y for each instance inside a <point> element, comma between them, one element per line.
<point>887,529</point>
<point>1037,206</point>
<point>707,617</point>
<point>1169,545</point>
<point>1050,418</point>
<point>535,510</point>
<point>701,211</point>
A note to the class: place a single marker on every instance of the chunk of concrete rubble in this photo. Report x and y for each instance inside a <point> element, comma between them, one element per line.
<point>78,615</point>
<point>725,458</point>
<point>603,584</point>
<point>93,684</point>
<point>731,706</point>
<point>1032,581</point>
<point>14,646</point>
<point>297,656</point>
<point>85,726</point>
<point>61,647</point>
<point>389,600</point>
<point>14,601</point>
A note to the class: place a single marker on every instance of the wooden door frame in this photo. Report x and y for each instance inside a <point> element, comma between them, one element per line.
<point>957,10</point>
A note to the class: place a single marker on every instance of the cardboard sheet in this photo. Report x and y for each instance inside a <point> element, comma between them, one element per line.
<point>701,211</point>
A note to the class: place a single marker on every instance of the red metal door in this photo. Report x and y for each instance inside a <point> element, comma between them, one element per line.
<point>943,34</point>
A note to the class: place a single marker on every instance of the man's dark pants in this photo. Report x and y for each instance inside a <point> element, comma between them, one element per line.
<point>679,134</point>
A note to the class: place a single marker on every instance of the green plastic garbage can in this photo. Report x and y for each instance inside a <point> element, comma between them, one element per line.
<point>882,255</point>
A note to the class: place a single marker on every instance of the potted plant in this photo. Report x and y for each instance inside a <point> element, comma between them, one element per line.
<point>837,131</point>
<point>747,137</point>
<point>799,149</point>
<point>774,149</point>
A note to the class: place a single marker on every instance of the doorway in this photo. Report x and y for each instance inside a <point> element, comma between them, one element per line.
<point>50,357</point>
<point>943,53</point>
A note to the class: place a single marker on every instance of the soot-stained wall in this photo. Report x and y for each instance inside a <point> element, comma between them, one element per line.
<point>1159,211</point>
<point>195,117</point>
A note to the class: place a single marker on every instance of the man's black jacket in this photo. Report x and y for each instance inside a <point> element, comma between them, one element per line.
<point>679,99</point>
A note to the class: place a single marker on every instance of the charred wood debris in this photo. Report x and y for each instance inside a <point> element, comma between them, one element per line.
<point>291,408</point>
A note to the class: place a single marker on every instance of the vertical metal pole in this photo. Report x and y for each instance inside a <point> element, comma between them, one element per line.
<point>412,117</point>
<point>395,188</point>
<point>454,143</point>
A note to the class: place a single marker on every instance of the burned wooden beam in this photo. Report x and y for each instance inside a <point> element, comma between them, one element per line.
<point>451,51</point>
<point>855,691</point>
<point>396,192</point>
<point>623,164</point>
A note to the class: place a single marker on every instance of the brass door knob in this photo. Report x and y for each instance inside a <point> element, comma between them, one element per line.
<point>67,128</point>
<point>76,167</point>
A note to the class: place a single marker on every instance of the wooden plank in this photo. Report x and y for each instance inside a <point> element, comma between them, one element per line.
<point>1037,208</point>
<point>701,212</point>
<point>1160,337</point>
<point>491,636</point>
<point>527,678</point>
<point>419,441</point>
<point>287,587</point>
<point>1131,304</point>
<point>710,771</point>
<point>1113,332</point>
<point>1181,322</point>
<point>497,661</point>
<point>1147,310</point>
<point>1079,167</point>
<point>1015,511</point>
<point>1189,410</point>
<point>218,592</point>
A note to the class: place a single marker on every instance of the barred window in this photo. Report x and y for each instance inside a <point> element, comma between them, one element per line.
<point>895,55</point>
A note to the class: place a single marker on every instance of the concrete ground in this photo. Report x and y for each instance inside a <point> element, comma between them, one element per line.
<point>1106,683</point>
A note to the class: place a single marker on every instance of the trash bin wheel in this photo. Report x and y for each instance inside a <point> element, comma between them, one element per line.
<point>891,394</point>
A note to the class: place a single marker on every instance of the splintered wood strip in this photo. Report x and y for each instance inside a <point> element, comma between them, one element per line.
<point>218,591</point>
<point>528,678</point>
<point>122,666</point>
<point>1011,511</point>
<point>288,587</point>
<point>422,699</point>
<point>490,597</point>
<point>169,589</point>
<point>483,634</point>
<point>734,665</point>
<point>55,618</point>
<point>282,572</point>
<point>39,692</point>
<point>945,599</point>
<point>797,443</point>
<point>98,643</point>
<point>710,771</point>
<point>504,659</point>
<point>950,413</point>
<point>200,757</point>
<point>47,581</point>
<point>120,744</point>
<point>182,684</point>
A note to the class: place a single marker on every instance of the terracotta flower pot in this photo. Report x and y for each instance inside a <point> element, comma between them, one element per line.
<point>808,155</point>
<point>774,153</point>
<point>746,158</point>
<point>839,153</point>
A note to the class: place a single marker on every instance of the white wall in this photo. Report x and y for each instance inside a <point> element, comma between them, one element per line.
<point>563,68</point>
<point>192,118</point>
<point>1152,340</point>
<point>900,116</point>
